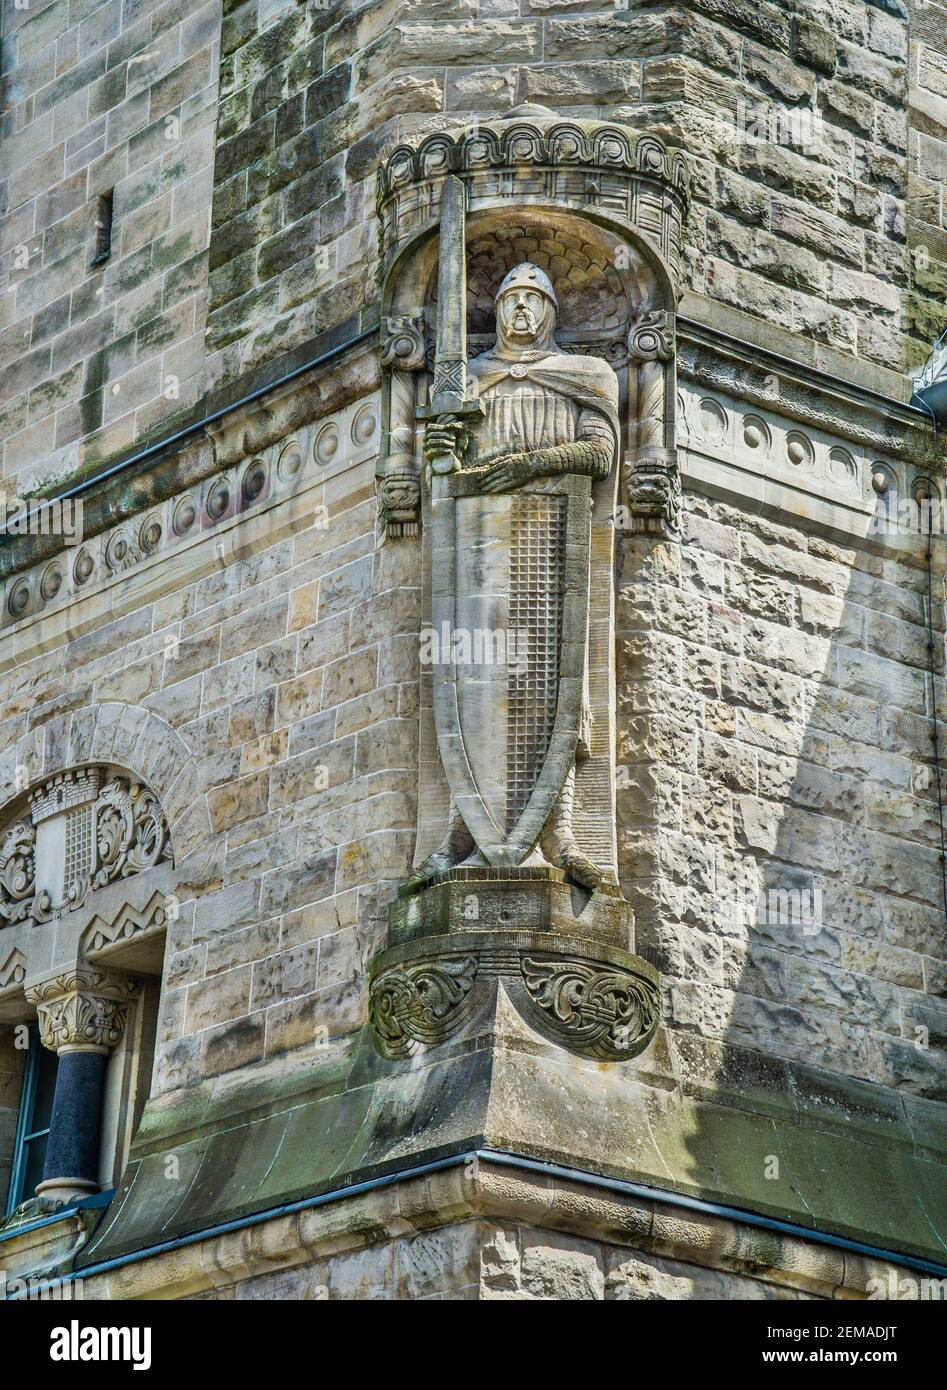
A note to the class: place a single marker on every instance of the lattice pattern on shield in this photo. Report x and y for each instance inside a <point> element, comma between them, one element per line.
<point>537,556</point>
<point>80,845</point>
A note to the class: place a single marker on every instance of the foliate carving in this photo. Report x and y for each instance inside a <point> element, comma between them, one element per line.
<point>420,1003</point>
<point>82,1007</point>
<point>97,835</point>
<point>131,831</point>
<point>17,872</point>
<point>651,339</point>
<point>402,343</point>
<point>590,996</point>
<point>596,1010</point>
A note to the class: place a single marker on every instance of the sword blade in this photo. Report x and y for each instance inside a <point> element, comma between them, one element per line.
<point>449,391</point>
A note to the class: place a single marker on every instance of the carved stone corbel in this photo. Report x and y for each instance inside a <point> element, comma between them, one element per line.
<point>652,477</point>
<point>402,343</point>
<point>573,979</point>
<point>399,487</point>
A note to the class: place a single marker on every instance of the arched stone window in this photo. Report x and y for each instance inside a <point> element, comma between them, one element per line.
<point>85,881</point>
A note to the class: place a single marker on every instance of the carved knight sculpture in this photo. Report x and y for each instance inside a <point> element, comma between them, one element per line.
<point>514,903</point>
<point>512,732</point>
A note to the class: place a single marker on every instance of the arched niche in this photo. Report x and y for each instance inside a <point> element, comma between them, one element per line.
<point>600,209</point>
<point>614,293</point>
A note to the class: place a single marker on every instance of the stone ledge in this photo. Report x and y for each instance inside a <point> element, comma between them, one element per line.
<point>345,1115</point>
<point>477,1190</point>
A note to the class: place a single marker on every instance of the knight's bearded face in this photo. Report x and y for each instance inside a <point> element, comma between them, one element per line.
<point>523,316</point>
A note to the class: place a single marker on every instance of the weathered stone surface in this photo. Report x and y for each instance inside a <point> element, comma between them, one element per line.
<point>777,805</point>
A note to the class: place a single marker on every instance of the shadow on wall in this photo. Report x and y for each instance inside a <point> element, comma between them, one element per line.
<point>779,841</point>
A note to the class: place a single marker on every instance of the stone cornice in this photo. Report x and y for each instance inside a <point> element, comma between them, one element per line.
<point>805,393</point>
<point>490,1191</point>
<point>532,156</point>
<point>189,458</point>
<point>240,466</point>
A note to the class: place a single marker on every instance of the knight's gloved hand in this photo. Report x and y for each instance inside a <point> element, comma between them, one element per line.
<point>441,439</point>
<point>512,471</point>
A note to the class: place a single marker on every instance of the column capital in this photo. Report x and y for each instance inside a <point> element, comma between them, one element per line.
<point>82,1008</point>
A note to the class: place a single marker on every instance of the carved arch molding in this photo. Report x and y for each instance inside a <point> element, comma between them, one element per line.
<point>601,209</point>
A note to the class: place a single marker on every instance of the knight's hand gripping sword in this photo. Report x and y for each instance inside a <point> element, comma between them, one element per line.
<point>451,403</point>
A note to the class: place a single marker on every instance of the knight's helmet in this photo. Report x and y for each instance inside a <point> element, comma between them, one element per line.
<point>530,277</point>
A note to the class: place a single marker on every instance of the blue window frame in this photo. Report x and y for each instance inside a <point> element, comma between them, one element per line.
<point>32,1127</point>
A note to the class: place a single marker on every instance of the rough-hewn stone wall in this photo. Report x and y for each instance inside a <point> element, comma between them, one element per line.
<point>100,96</point>
<point>775,701</point>
<point>809,186</point>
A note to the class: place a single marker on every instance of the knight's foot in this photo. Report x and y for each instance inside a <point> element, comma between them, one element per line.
<point>436,863</point>
<point>579,866</point>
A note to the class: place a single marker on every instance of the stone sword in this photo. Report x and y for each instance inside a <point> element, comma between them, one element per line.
<point>451,401</point>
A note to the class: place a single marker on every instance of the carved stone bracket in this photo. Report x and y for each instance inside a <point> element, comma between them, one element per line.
<point>423,1002</point>
<point>82,1008</point>
<point>562,960</point>
<point>17,872</point>
<point>402,342</point>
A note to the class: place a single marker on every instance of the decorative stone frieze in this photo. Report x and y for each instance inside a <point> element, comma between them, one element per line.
<point>562,958</point>
<point>755,446</point>
<point>278,472</point>
<point>86,828</point>
<point>537,159</point>
<point>84,1007</point>
<point>13,969</point>
<point>127,922</point>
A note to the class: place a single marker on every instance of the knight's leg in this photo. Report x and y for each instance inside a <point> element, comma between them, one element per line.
<point>559,840</point>
<point>456,845</point>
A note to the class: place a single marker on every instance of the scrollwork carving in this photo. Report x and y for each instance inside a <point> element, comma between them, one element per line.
<point>402,343</point>
<point>421,1003</point>
<point>17,872</point>
<point>107,834</point>
<point>597,1010</point>
<point>651,339</point>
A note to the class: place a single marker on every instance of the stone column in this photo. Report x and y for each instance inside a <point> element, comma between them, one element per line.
<point>652,477</point>
<point>82,1013</point>
<point>399,484</point>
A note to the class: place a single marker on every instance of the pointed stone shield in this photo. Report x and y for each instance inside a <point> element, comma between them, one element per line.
<point>509,609</point>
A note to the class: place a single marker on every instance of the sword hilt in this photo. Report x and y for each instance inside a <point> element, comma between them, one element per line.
<point>457,410</point>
